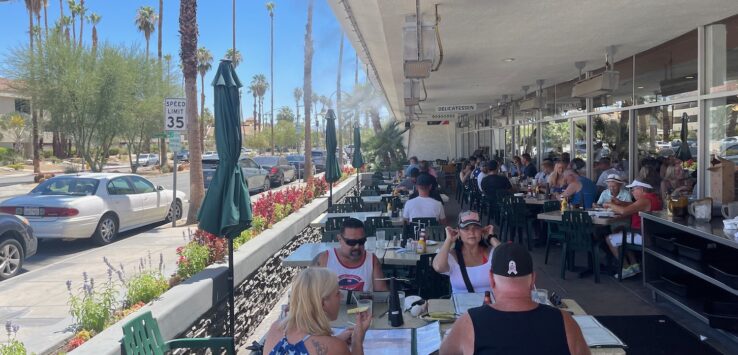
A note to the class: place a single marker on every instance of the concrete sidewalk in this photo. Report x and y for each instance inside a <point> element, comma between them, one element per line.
<point>38,300</point>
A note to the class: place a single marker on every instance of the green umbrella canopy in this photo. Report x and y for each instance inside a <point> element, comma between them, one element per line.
<point>226,210</point>
<point>332,170</point>
<point>357,161</point>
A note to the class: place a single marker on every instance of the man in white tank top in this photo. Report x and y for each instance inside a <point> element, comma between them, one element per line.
<point>357,269</point>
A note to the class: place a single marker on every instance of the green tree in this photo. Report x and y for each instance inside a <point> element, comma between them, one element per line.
<point>285,114</point>
<point>308,89</point>
<point>33,7</point>
<point>94,20</point>
<point>146,22</point>
<point>285,135</point>
<point>204,64</point>
<point>386,148</point>
<point>235,58</point>
<point>18,125</point>
<point>261,86</point>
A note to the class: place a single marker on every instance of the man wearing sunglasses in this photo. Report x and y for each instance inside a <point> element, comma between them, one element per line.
<point>357,269</point>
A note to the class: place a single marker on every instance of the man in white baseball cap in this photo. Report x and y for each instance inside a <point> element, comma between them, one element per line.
<point>615,193</point>
<point>645,201</point>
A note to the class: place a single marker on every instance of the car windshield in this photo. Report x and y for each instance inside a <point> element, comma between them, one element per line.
<point>143,156</point>
<point>266,160</point>
<point>295,158</point>
<point>70,186</point>
<point>317,154</point>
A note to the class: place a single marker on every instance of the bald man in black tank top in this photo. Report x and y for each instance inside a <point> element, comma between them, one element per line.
<point>514,324</point>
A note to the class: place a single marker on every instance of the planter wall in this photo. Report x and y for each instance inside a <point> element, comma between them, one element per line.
<point>198,306</point>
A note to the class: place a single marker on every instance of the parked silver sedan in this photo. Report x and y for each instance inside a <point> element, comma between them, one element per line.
<point>94,205</point>
<point>256,177</point>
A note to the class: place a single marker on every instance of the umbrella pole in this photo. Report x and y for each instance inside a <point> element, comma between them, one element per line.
<point>330,199</point>
<point>358,183</point>
<point>231,298</point>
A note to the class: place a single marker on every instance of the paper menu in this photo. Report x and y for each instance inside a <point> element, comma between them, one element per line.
<point>464,301</point>
<point>399,341</point>
<point>595,334</point>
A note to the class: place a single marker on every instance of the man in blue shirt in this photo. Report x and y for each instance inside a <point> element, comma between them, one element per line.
<point>413,164</point>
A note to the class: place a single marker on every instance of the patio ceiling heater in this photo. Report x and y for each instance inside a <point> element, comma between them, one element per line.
<point>599,84</point>
<point>419,42</point>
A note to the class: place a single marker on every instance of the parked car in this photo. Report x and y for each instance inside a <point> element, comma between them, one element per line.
<point>183,155</point>
<point>319,157</point>
<point>146,159</point>
<point>17,243</point>
<point>256,176</point>
<point>280,170</point>
<point>94,205</point>
<point>730,152</point>
<point>298,161</point>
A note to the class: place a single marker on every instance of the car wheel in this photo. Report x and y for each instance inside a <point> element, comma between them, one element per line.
<point>267,185</point>
<point>107,230</point>
<point>175,210</point>
<point>11,258</point>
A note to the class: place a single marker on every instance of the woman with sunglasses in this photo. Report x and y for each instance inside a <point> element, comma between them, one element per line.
<point>466,255</point>
<point>315,302</point>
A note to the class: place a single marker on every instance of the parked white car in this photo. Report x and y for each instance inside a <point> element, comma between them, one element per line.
<point>146,159</point>
<point>94,205</point>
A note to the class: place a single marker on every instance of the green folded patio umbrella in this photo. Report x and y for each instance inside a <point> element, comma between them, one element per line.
<point>226,209</point>
<point>357,161</point>
<point>683,152</point>
<point>332,170</point>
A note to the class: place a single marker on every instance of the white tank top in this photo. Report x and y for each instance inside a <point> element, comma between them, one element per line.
<point>353,279</point>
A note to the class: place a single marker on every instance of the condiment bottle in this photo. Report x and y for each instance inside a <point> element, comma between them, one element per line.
<point>564,204</point>
<point>420,249</point>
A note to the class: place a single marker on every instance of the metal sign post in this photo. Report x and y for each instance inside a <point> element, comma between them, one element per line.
<point>175,121</point>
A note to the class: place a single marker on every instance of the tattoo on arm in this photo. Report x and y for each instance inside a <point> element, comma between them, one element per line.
<point>316,259</point>
<point>320,349</point>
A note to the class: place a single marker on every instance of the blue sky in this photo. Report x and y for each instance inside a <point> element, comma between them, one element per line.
<point>214,20</point>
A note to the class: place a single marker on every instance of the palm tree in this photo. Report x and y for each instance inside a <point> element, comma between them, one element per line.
<point>253,91</point>
<point>145,22</point>
<point>73,10</point>
<point>161,20</point>
<point>297,94</point>
<point>188,53</point>
<point>308,89</point>
<point>338,103</point>
<point>45,4</point>
<point>204,64</point>
<point>388,146</point>
<point>94,20</point>
<point>270,8</point>
<point>81,11</point>
<point>33,7</point>
<point>235,59</point>
<point>261,86</point>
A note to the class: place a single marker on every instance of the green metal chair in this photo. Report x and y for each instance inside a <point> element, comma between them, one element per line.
<point>394,200</point>
<point>390,232</point>
<point>330,236</point>
<point>626,246</point>
<point>516,222</point>
<point>436,233</point>
<point>355,201</point>
<point>553,228</point>
<point>579,229</point>
<point>372,223</point>
<point>426,221</point>
<point>369,192</point>
<point>342,208</point>
<point>335,223</point>
<point>141,335</point>
<point>430,283</point>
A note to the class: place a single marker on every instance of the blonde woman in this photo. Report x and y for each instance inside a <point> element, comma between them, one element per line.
<point>556,180</point>
<point>314,303</point>
<point>674,181</point>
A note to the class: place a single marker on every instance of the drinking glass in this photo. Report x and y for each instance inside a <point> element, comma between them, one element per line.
<point>366,303</point>
<point>402,299</point>
<point>381,240</point>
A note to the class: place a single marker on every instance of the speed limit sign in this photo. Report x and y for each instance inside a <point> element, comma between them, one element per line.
<point>175,118</point>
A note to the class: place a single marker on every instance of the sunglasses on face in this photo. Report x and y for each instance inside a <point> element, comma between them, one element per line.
<point>354,242</point>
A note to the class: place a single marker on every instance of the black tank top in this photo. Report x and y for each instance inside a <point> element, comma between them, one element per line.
<point>538,331</point>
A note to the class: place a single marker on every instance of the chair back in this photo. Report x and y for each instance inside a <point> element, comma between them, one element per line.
<point>335,223</point>
<point>354,201</point>
<point>395,200</point>
<point>141,335</point>
<point>330,236</point>
<point>369,192</point>
<point>436,233</point>
<point>578,228</point>
<point>426,221</point>
<point>550,206</point>
<point>390,232</point>
<point>372,223</point>
<point>342,208</point>
<point>430,283</point>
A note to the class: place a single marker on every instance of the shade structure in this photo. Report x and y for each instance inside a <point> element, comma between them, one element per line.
<point>332,170</point>
<point>683,152</point>
<point>226,209</point>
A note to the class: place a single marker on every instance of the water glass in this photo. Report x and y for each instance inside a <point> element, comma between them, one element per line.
<point>402,299</point>
<point>381,240</point>
<point>366,303</point>
<point>540,295</point>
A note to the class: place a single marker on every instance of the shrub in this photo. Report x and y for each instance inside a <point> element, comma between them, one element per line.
<point>193,258</point>
<point>47,154</point>
<point>17,166</point>
<point>71,170</point>
<point>13,346</point>
<point>145,287</point>
<point>113,151</point>
<point>92,308</point>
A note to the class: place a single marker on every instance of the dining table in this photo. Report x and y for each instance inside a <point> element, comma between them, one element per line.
<point>321,220</point>
<point>305,253</point>
<point>556,216</point>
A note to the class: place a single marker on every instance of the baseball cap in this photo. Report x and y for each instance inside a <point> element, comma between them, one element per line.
<point>511,260</point>
<point>614,178</point>
<point>424,179</point>
<point>492,165</point>
<point>637,183</point>
<point>468,218</point>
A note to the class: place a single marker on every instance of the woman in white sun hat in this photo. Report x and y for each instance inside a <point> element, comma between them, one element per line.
<point>645,200</point>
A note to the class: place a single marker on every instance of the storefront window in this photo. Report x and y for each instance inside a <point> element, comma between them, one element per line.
<point>610,138</point>
<point>723,131</point>
<point>549,102</point>
<point>565,104</point>
<point>668,71</point>
<point>580,140</point>
<point>721,55</point>
<point>555,139</point>
<point>623,95</point>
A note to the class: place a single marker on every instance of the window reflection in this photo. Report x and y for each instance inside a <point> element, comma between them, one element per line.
<point>610,136</point>
<point>723,130</point>
<point>623,95</point>
<point>721,55</point>
<point>555,138</point>
<point>580,141</point>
